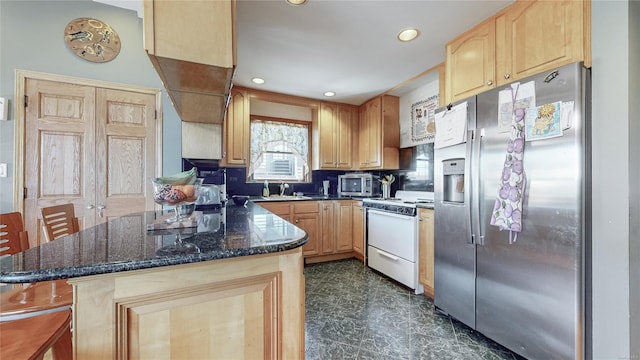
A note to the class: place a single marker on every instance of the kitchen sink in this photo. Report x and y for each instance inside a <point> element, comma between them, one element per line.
<point>285,197</point>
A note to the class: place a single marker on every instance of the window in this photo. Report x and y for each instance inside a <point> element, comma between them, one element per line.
<point>279,151</point>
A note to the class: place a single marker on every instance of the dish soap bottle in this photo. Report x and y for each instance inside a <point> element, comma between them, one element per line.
<point>265,189</point>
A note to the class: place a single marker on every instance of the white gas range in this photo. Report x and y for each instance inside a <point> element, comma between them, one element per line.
<point>392,235</point>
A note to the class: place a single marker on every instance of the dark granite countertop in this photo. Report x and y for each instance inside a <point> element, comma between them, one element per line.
<point>425,206</point>
<point>124,244</point>
<point>305,197</point>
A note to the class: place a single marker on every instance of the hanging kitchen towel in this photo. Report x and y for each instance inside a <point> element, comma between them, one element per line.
<point>507,211</point>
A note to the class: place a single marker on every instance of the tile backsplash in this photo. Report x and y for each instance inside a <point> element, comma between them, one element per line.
<point>236,180</point>
<point>237,185</point>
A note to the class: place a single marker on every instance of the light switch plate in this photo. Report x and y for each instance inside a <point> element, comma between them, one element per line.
<point>4,109</point>
<point>3,170</point>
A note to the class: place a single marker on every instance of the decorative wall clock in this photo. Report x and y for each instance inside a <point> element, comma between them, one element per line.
<point>92,40</point>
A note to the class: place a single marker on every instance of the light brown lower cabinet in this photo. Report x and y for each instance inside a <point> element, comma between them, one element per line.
<point>425,250</point>
<point>329,224</point>
<point>242,308</point>
<point>305,215</point>
<point>358,229</point>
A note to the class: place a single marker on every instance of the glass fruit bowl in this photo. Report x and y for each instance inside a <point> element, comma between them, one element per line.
<point>177,195</point>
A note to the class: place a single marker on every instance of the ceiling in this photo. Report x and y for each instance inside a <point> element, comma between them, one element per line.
<point>345,46</point>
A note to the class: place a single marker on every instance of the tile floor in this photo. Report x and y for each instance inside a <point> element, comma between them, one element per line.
<point>353,312</point>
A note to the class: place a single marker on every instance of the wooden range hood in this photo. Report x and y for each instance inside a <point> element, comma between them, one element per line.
<point>191,44</point>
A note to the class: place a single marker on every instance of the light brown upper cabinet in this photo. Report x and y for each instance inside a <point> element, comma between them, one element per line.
<point>236,130</point>
<point>534,36</point>
<point>379,133</point>
<point>191,44</point>
<point>525,38</point>
<point>332,136</point>
<point>470,64</point>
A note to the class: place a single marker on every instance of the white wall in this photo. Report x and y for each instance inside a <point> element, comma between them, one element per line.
<point>611,182</point>
<point>428,87</point>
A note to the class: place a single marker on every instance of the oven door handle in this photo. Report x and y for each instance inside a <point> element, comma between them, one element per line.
<point>385,213</point>
<point>387,255</point>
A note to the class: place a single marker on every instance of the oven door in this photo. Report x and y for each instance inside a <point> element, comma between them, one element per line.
<point>393,233</point>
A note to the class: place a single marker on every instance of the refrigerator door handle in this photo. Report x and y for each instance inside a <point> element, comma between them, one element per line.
<point>475,188</point>
<point>469,181</point>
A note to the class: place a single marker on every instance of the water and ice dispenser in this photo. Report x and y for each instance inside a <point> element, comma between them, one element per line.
<point>453,174</point>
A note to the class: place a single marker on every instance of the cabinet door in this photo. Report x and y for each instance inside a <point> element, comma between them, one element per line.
<point>200,32</point>
<point>534,36</point>
<point>343,138</point>
<point>328,227</point>
<point>280,208</point>
<point>236,136</point>
<point>309,222</point>
<point>370,134</point>
<point>425,250</point>
<point>470,67</point>
<point>344,225</point>
<point>327,138</point>
<point>358,228</point>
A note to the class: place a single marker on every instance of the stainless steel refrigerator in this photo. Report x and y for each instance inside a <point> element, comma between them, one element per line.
<point>527,294</point>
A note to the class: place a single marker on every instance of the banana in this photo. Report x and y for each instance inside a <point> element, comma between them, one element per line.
<point>183,178</point>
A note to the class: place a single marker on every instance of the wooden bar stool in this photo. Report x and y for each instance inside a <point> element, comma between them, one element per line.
<point>22,301</point>
<point>59,220</point>
<point>32,337</point>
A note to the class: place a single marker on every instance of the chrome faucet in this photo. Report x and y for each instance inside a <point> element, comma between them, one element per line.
<point>283,186</point>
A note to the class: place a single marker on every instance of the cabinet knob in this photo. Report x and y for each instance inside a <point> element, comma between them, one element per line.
<point>489,83</point>
<point>90,206</point>
<point>507,75</point>
<point>296,221</point>
<point>420,219</point>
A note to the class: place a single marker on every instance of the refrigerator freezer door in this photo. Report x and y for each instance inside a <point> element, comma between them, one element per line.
<point>454,249</point>
<point>529,293</point>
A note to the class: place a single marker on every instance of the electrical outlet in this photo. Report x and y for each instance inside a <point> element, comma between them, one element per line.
<point>3,170</point>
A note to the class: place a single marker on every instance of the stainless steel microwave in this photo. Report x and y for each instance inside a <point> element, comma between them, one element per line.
<point>358,184</point>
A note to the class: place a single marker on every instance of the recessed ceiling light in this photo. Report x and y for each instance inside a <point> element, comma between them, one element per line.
<point>296,2</point>
<point>408,34</point>
<point>257,80</point>
<point>329,94</point>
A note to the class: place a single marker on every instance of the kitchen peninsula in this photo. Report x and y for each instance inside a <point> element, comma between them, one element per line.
<point>237,293</point>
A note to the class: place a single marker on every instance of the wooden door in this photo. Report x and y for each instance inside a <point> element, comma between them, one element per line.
<point>59,153</point>
<point>470,66</point>
<point>89,143</point>
<point>534,36</point>
<point>126,145</point>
